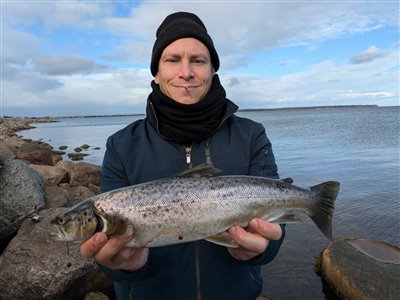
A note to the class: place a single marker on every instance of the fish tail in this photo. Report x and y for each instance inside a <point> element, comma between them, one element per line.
<point>322,215</point>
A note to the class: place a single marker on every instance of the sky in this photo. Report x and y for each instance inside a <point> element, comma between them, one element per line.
<point>74,58</point>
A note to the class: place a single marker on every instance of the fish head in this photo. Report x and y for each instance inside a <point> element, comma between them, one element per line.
<point>75,224</point>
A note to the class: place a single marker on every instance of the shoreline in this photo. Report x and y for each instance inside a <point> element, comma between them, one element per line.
<point>54,118</point>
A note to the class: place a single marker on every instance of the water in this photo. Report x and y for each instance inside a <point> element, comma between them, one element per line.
<point>358,146</point>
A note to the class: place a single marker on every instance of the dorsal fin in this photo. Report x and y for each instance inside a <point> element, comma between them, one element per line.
<point>203,170</point>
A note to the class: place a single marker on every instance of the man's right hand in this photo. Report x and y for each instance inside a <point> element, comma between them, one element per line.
<point>113,254</point>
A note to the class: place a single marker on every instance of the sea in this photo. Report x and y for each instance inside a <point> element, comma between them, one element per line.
<point>355,145</point>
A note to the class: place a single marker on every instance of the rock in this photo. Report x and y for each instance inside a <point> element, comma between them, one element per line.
<point>94,188</point>
<point>84,174</point>
<point>95,296</point>
<point>51,175</point>
<point>96,148</point>
<point>85,146</point>
<point>29,146</point>
<point>77,149</point>
<point>5,153</point>
<point>21,191</point>
<point>56,196</point>
<point>77,193</point>
<point>63,147</point>
<point>58,152</point>
<point>34,266</point>
<point>37,157</point>
<point>13,141</point>
<point>361,269</point>
<point>66,165</point>
<point>77,156</point>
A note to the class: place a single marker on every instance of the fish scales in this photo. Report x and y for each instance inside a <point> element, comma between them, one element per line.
<point>182,209</point>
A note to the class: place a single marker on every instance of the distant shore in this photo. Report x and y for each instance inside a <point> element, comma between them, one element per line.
<point>37,119</point>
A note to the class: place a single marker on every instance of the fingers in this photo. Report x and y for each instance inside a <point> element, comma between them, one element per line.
<point>247,240</point>
<point>113,254</point>
<point>93,245</point>
<point>111,249</point>
<point>270,231</point>
<point>255,239</point>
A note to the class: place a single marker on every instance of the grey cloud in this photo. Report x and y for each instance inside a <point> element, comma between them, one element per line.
<point>234,81</point>
<point>66,65</point>
<point>368,55</point>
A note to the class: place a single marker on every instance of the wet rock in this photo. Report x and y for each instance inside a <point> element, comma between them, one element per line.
<point>34,266</point>
<point>58,152</point>
<point>51,175</point>
<point>5,153</point>
<point>77,149</point>
<point>361,269</point>
<point>85,146</point>
<point>96,148</point>
<point>37,157</point>
<point>62,147</point>
<point>21,191</point>
<point>56,196</point>
<point>29,146</point>
<point>84,174</point>
<point>77,156</point>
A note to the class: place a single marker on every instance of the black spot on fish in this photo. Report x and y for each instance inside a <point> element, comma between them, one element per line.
<point>167,209</point>
<point>144,215</point>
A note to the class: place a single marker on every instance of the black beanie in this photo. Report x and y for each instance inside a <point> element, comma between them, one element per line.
<point>180,25</point>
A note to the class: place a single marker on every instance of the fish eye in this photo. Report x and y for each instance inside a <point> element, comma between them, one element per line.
<point>61,220</point>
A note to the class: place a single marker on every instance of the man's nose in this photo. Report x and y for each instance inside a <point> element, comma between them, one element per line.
<point>186,71</point>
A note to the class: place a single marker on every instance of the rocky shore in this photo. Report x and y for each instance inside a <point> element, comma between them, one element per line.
<point>36,184</point>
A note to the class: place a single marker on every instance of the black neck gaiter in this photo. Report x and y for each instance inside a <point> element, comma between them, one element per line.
<point>187,123</point>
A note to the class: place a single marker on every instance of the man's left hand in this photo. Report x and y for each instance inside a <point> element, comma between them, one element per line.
<point>254,239</point>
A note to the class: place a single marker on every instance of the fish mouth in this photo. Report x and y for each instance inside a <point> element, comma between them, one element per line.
<point>99,223</point>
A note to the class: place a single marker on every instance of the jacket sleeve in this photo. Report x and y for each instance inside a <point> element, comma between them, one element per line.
<point>113,173</point>
<point>263,164</point>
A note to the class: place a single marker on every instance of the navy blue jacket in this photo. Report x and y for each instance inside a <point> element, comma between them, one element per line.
<point>186,271</point>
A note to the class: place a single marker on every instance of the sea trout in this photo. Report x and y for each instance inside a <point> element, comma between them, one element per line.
<point>196,205</point>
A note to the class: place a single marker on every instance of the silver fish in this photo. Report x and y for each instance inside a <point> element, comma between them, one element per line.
<point>194,206</point>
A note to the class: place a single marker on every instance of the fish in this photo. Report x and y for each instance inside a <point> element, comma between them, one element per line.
<point>197,204</point>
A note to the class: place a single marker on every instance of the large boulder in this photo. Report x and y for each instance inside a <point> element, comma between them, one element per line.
<point>51,175</point>
<point>5,153</point>
<point>84,174</point>
<point>34,266</point>
<point>56,196</point>
<point>21,192</point>
<point>43,156</point>
<point>361,269</point>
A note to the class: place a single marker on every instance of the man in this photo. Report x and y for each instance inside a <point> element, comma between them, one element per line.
<point>189,121</point>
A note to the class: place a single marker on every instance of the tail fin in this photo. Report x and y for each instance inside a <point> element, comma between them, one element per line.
<point>322,217</point>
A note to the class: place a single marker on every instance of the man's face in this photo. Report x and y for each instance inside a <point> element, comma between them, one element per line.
<point>185,71</point>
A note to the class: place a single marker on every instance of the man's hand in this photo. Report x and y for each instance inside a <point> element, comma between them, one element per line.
<point>254,239</point>
<point>113,254</point>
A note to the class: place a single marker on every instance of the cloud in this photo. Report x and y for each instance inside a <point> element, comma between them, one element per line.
<point>66,65</point>
<point>368,55</point>
<point>325,82</point>
<point>51,64</point>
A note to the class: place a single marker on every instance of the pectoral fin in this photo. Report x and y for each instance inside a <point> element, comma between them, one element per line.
<point>222,239</point>
<point>283,217</point>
